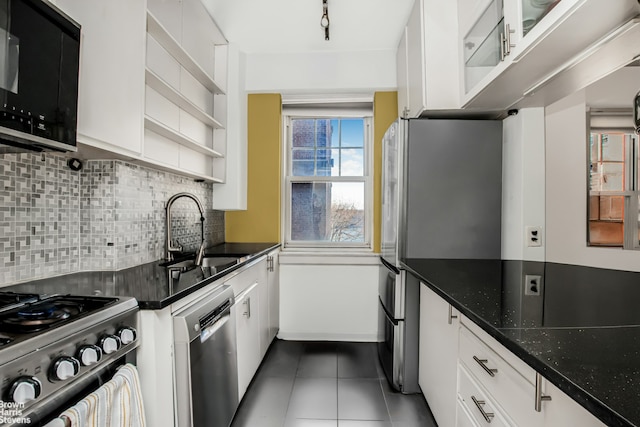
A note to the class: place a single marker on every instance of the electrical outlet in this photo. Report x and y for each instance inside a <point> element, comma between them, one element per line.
<point>533,284</point>
<point>534,236</point>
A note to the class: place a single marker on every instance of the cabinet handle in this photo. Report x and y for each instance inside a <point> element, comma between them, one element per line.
<point>479,403</point>
<point>503,41</point>
<point>539,396</point>
<point>247,303</point>
<point>451,315</point>
<point>483,364</point>
<point>507,33</point>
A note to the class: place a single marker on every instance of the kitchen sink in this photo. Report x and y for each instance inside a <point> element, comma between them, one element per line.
<point>217,262</point>
<point>211,265</point>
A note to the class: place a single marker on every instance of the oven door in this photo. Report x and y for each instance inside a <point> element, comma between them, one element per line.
<point>390,346</point>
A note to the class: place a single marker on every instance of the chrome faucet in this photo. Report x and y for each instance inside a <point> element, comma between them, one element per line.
<point>177,248</point>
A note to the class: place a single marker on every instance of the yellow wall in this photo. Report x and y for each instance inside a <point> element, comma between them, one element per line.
<point>261,221</point>
<point>385,111</point>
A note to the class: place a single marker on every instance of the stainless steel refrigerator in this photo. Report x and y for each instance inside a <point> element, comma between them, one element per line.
<point>441,198</point>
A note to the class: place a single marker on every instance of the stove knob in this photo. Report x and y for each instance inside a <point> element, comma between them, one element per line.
<point>64,368</point>
<point>110,344</point>
<point>89,355</point>
<point>24,390</point>
<point>127,335</point>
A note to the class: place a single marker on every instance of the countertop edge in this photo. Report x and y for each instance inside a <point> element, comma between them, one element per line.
<point>596,407</point>
<point>159,305</point>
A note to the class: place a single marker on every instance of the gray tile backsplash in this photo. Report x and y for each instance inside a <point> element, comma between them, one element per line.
<point>108,216</point>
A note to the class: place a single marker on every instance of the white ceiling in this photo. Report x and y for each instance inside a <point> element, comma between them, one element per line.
<point>290,26</point>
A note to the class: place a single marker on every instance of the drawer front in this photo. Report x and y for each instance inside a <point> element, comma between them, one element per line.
<point>463,417</point>
<point>502,381</point>
<point>478,403</point>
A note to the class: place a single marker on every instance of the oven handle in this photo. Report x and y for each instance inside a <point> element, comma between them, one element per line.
<point>208,332</point>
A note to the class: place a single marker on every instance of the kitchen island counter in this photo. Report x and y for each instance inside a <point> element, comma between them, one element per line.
<point>151,283</point>
<point>577,326</point>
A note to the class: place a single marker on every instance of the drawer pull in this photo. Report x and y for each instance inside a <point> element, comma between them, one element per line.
<point>539,396</point>
<point>483,363</point>
<point>451,315</point>
<point>479,403</point>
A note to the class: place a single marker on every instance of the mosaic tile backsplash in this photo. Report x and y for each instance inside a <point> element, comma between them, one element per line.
<point>108,216</point>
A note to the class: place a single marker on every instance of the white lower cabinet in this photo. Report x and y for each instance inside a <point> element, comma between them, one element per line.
<point>253,289</point>
<point>273,268</point>
<point>248,335</point>
<point>480,407</point>
<point>491,385</point>
<point>438,355</point>
<point>263,281</point>
<point>561,410</point>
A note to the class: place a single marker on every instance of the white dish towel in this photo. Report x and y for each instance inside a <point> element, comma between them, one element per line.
<point>117,403</point>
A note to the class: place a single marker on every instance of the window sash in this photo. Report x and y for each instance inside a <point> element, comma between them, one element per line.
<point>366,178</point>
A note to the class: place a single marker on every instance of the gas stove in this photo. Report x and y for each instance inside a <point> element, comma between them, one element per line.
<point>52,347</point>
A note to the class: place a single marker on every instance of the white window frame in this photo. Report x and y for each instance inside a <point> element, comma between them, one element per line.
<point>298,112</point>
<point>631,196</point>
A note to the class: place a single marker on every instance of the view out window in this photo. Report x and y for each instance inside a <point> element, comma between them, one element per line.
<point>327,183</point>
<point>614,188</point>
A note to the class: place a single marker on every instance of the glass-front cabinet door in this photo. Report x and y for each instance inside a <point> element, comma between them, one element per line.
<point>533,11</point>
<point>498,29</point>
<point>482,46</point>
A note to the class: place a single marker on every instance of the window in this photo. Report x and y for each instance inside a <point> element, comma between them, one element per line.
<point>328,185</point>
<point>614,189</point>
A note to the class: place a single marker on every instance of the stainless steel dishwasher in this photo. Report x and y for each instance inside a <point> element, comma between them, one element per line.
<point>206,369</point>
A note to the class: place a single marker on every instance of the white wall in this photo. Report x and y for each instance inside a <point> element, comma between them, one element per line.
<point>328,301</point>
<point>566,191</point>
<point>523,183</point>
<point>322,72</point>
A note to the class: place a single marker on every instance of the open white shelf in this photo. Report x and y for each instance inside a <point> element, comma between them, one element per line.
<point>166,40</point>
<point>167,132</point>
<point>171,168</point>
<point>164,89</point>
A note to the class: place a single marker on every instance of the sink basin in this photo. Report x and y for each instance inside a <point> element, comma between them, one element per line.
<point>211,265</point>
<point>217,262</point>
<point>179,265</point>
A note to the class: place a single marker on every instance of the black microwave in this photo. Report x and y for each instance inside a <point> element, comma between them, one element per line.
<point>39,62</point>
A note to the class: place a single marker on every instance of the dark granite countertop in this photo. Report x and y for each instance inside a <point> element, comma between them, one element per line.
<point>150,284</point>
<point>581,332</point>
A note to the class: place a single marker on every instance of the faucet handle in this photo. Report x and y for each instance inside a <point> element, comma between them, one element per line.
<point>175,246</point>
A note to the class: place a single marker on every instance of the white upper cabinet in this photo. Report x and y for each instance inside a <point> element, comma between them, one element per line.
<point>427,60</point>
<point>111,86</point>
<point>402,76</point>
<point>152,84</point>
<point>508,47</point>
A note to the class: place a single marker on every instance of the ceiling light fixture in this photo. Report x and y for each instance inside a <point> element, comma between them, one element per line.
<point>324,21</point>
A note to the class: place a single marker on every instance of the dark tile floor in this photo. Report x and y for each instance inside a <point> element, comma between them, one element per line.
<point>327,384</point>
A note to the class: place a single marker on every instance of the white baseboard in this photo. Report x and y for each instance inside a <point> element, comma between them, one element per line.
<point>322,336</point>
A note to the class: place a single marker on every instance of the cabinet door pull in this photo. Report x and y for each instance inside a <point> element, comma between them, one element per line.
<point>483,364</point>
<point>479,403</point>
<point>539,396</point>
<point>507,47</point>
<point>451,315</point>
<point>247,303</point>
